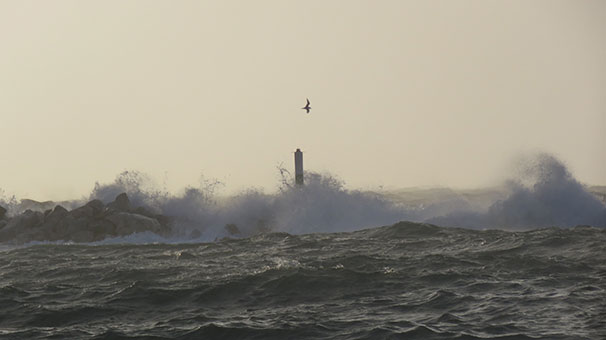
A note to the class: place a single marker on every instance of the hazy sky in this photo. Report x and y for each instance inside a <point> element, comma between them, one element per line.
<point>403,93</point>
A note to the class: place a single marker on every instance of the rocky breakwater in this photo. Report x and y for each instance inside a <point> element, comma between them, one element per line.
<point>91,222</point>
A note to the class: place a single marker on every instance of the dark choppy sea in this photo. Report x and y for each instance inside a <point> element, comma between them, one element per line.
<point>407,281</point>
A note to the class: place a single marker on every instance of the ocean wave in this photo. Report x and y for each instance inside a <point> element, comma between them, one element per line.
<point>380,282</point>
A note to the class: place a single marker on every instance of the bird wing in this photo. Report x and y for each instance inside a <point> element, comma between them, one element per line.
<point>307,102</point>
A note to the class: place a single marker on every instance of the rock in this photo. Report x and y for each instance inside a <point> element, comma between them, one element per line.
<point>27,220</point>
<point>144,212</point>
<point>82,212</point>
<point>27,204</point>
<point>121,203</point>
<point>97,205</point>
<point>68,227</point>
<point>101,228</point>
<point>22,225</point>
<point>165,221</point>
<point>92,209</point>
<point>91,222</point>
<point>232,229</point>
<point>55,215</point>
<point>127,223</point>
<point>83,236</point>
<point>53,224</point>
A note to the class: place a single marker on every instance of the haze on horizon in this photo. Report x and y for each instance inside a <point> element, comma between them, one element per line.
<point>403,93</point>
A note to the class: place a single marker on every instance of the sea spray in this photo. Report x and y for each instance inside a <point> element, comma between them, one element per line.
<point>322,205</point>
<point>544,193</point>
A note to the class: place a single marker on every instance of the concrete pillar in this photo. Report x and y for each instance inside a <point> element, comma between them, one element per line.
<point>299,167</point>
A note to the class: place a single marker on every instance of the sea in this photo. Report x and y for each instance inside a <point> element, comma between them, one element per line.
<point>405,281</point>
<point>321,261</point>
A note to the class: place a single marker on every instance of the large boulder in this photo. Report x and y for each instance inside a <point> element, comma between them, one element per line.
<point>232,229</point>
<point>67,227</point>
<point>27,220</point>
<point>27,204</point>
<point>143,211</point>
<point>92,209</point>
<point>127,223</point>
<point>83,236</point>
<point>97,206</point>
<point>53,227</point>
<point>3,219</point>
<point>101,228</point>
<point>165,221</point>
<point>24,225</point>
<point>54,216</point>
<point>121,203</point>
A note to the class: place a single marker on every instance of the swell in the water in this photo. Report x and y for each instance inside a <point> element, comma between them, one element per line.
<point>544,194</point>
<point>406,281</point>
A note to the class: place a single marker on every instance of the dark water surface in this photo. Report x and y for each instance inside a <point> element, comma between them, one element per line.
<point>407,281</point>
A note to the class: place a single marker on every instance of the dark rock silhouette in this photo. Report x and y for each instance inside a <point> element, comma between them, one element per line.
<point>232,229</point>
<point>121,203</point>
<point>91,222</point>
<point>27,204</point>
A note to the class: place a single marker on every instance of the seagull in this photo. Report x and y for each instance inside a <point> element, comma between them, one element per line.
<point>307,107</point>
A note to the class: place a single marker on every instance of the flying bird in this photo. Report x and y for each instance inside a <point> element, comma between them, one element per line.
<point>307,107</point>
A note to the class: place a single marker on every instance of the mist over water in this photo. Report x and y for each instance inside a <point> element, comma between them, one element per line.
<point>323,204</point>
<point>542,194</point>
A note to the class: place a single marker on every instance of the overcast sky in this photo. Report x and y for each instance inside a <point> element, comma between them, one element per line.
<point>403,93</point>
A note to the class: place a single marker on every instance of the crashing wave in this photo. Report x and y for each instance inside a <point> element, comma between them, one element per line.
<point>543,194</point>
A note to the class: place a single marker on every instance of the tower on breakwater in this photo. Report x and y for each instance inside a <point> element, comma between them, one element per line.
<point>299,167</point>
